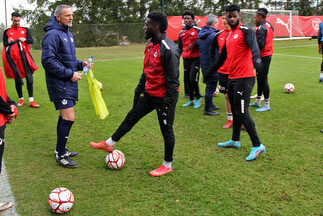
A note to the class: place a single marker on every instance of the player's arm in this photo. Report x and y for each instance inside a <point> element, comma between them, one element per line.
<point>319,37</point>
<point>252,43</point>
<point>139,89</point>
<point>180,44</point>
<point>261,36</point>
<point>214,50</point>
<point>50,63</point>
<point>170,59</point>
<point>29,38</point>
<point>5,38</point>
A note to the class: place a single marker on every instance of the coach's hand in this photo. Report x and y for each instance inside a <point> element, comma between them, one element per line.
<point>76,76</point>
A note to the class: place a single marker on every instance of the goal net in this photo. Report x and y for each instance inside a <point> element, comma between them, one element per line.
<point>285,22</point>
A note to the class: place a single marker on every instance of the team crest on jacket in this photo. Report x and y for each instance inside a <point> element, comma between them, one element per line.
<point>193,33</point>
<point>156,54</point>
<point>22,32</point>
<point>236,36</point>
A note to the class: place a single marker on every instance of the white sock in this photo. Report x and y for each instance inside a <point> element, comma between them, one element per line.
<point>167,164</point>
<point>21,98</point>
<point>321,75</point>
<point>31,99</point>
<point>267,103</point>
<point>230,117</point>
<point>258,100</point>
<point>110,142</point>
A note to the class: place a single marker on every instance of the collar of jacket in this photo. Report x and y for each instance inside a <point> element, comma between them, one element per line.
<point>156,41</point>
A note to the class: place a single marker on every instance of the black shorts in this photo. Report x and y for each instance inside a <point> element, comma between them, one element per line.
<point>64,104</point>
<point>223,82</point>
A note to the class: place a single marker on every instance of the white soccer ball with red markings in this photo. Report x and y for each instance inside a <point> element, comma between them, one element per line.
<point>289,88</point>
<point>61,200</point>
<point>115,160</point>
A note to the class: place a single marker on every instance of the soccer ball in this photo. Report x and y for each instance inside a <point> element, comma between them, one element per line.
<point>101,85</point>
<point>115,160</point>
<point>60,200</point>
<point>289,88</point>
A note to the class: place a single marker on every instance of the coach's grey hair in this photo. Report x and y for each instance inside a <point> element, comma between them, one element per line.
<point>59,8</point>
<point>211,19</point>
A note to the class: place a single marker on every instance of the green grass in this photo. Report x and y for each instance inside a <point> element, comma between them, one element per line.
<point>207,180</point>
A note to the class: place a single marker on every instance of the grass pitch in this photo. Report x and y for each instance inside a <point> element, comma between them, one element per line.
<point>207,180</point>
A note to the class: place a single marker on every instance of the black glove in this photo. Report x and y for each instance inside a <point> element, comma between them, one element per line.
<point>163,112</point>
<point>258,65</point>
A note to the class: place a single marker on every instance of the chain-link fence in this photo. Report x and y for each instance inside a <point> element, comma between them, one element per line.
<point>93,35</point>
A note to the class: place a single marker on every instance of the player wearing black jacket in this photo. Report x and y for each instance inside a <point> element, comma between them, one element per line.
<point>156,90</point>
<point>264,35</point>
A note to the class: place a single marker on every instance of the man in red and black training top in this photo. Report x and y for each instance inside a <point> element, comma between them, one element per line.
<point>215,49</point>
<point>16,57</point>
<point>242,52</point>
<point>265,36</point>
<point>156,90</point>
<point>189,48</point>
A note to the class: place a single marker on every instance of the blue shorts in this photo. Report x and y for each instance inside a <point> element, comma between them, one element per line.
<point>64,104</point>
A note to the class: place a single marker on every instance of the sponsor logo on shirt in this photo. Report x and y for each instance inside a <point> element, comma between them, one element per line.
<point>64,101</point>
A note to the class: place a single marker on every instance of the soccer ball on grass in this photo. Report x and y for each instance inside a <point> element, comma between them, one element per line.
<point>289,88</point>
<point>60,200</point>
<point>115,160</point>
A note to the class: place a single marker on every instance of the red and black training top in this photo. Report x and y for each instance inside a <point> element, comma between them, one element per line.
<point>189,36</point>
<point>241,51</point>
<point>16,55</point>
<point>265,35</point>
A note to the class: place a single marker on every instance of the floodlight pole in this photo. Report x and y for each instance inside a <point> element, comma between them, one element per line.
<point>163,8</point>
<point>5,11</point>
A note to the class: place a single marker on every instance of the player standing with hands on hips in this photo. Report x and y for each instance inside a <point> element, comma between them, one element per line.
<point>157,89</point>
<point>242,52</point>
<point>61,66</point>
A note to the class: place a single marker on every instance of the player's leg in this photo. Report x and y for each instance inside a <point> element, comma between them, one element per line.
<point>264,83</point>
<point>223,82</point>
<point>142,108</point>
<point>18,85</point>
<point>245,88</point>
<point>209,91</point>
<point>64,125</point>
<point>166,127</point>
<point>2,129</point>
<point>30,89</point>
<point>188,86</point>
<point>234,142</point>
<point>194,81</point>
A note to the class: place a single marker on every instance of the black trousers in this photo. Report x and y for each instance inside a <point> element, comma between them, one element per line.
<point>239,91</point>
<point>192,76</point>
<point>145,105</point>
<point>262,78</point>
<point>2,129</point>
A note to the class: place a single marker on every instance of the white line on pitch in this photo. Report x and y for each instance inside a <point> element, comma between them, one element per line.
<point>119,59</point>
<point>295,46</point>
<point>298,56</point>
<point>6,194</point>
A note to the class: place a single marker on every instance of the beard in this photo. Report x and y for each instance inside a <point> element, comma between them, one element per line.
<point>148,35</point>
<point>235,25</point>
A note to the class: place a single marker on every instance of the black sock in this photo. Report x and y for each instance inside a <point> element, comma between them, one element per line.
<point>62,136</point>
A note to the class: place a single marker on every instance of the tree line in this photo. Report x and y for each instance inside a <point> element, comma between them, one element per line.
<point>116,12</point>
